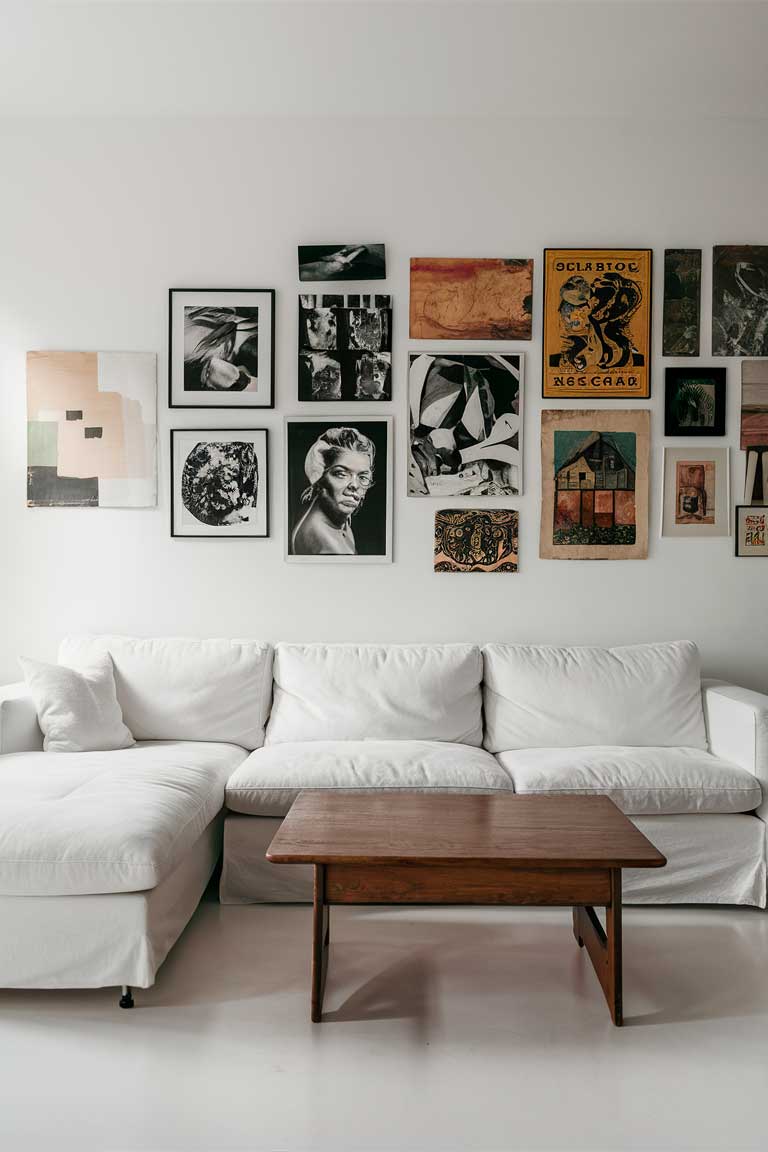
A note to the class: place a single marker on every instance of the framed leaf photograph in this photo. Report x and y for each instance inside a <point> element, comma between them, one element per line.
<point>694,402</point>
<point>597,323</point>
<point>221,348</point>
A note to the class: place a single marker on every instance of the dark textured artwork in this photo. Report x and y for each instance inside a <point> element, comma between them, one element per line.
<point>219,482</point>
<point>682,301</point>
<point>740,300</point>
<point>467,540</point>
<point>341,262</point>
<point>345,347</point>
<point>694,402</point>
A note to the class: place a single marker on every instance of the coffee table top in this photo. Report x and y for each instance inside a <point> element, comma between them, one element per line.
<point>370,827</point>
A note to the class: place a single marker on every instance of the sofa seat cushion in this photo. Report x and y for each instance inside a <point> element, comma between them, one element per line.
<point>89,822</point>
<point>269,781</point>
<point>638,780</point>
<point>377,692</point>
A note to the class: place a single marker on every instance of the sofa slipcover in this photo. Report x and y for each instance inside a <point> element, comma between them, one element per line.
<point>172,688</point>
<point>638,780</point>
<point>639,695</point>
<point>378,692</point>
<point>267,783</point>
<point>93,822</point>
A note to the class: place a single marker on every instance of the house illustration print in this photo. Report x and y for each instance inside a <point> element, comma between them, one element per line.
<point>594,488</point>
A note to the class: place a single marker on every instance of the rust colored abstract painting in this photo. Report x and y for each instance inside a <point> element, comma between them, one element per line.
<point>467,299</point>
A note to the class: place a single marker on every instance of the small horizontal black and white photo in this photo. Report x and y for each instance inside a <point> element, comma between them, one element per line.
<point>345,347</point>
<point>341,262</point>
<point>221,348</point>
<point>219,482</point>
<point>339,485</point>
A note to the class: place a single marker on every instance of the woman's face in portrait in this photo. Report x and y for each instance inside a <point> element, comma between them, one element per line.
<point>345,483</point>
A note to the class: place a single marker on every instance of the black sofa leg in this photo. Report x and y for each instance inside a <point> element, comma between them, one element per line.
<point>126,1000</point>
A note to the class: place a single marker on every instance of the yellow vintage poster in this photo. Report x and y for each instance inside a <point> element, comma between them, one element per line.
<point>597,323</point>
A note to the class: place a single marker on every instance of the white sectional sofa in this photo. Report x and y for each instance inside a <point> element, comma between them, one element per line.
<point>104,856</point>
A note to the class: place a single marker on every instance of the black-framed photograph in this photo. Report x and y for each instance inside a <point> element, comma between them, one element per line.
<point>345,347</point>
<point>751,530</point>
<point>339,489</point>
<point>221,348</point>
<point>694,402</point>
<point>220,482</point>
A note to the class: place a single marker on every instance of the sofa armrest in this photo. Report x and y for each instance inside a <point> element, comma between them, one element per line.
<point>19,729</point>
<point>737,727</point>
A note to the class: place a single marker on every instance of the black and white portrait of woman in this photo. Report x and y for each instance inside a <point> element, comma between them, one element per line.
<point>339,490</point>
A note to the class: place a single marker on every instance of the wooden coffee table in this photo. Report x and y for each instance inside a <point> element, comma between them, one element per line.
<point>417,848</point>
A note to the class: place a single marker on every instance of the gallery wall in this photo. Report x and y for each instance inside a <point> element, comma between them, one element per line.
<point>100,216</point>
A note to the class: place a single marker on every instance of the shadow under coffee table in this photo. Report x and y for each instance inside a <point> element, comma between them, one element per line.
<point>418,848</point>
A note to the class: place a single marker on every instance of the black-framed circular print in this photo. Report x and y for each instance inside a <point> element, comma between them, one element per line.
<point>220,482</point>
<point>221,348</point>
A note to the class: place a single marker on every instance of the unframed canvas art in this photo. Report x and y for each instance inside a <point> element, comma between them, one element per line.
<point>319,262</point>
<point>740,300</point>
<point>92,429</point>
<point>682,302</point>
<point>754,404</point>
<point>594,484</point>
<point>468,299</point>
<point>471,540</point>
<point>597,323</point>
<point>345,347</point>
<point>466,424</point>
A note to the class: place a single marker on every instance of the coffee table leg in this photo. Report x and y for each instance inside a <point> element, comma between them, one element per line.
<point>604,947</point>
<point>321,935</point>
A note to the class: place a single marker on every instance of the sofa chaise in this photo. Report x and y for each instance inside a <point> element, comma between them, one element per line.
<point>104,856</point>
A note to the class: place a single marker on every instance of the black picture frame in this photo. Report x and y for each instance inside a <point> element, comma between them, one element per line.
<point>219,400</point>
<point>737,531</point>
<point>673,379</point>
<point>211,433</point>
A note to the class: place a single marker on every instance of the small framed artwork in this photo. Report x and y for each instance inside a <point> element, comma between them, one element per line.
<point>694,402</point>
<point>220,482</point>
<point>318,262</point>
<point>739,300</point>
<point>345,347</point>
<point>476,540</point>
<point>466,424</point>
<point>696,493</point>
<point>456,298</point>
<point>339,485</point>
<point>751,530</point>
<point>221,348</point>
<point>597,323</point>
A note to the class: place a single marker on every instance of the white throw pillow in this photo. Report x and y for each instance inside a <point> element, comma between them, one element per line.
<point>77,711</point>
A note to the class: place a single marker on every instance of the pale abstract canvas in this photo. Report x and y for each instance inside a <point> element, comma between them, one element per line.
<point>92,429</point>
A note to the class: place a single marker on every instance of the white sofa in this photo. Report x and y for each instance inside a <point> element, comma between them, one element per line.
<point>104,856</point>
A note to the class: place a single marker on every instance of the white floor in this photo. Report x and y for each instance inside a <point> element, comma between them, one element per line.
<point>446,1030</point>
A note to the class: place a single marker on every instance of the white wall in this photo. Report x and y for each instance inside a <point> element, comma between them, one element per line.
<point>100,216</point>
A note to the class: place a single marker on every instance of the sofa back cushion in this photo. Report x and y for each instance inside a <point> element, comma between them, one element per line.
<point>377,692</point>
<point>643,695</point>
<point>173,688</point>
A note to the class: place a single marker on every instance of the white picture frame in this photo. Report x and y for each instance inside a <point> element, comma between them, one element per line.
<point>690,475</point>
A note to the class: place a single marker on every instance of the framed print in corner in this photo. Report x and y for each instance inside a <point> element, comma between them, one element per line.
<point>594,484</point>
<point>339,486</point>
<point>221,348</point>
<point>694,402</point>
<point>597,323</point>
<point>696,492</point>
<point>220,482</point>
<point>751,530</point>
<point>466,424</point>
